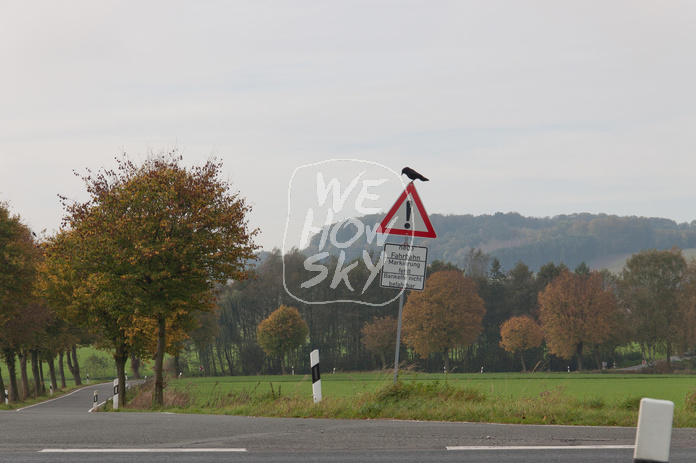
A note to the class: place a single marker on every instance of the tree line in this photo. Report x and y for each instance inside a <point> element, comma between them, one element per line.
<point>479,316</point>
<point>568,238</point>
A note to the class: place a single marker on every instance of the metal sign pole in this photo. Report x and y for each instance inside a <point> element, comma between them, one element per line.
<point>398,336</point>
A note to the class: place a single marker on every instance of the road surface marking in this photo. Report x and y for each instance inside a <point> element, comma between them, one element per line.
<point>542,447</point>
<point>181,450</point>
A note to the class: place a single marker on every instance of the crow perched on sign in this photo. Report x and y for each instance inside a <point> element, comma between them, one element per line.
<point>412,174</point>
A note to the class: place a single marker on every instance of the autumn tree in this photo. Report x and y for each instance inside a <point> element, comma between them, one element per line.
<point>445,315</point>
<point>519,334</point>
<point>575,311</point>
<point>283,331</point>
<point>379,336</point>
<point>152,241</point>
<point>685,338</point>
<point>650,286</point>
<point>19,257</point>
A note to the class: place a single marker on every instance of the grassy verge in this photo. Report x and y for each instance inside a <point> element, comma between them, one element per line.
<point>590,400</point>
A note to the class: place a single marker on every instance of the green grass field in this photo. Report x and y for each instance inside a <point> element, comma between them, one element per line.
<point>609,387</point>
<point>548,398</point>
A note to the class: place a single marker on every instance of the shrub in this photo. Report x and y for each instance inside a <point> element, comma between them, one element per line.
<point>690,400</point>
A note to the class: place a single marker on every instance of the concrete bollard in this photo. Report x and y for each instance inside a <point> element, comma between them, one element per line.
<point>654,432</point>
<point>96,401</point>
<point>316,375</point>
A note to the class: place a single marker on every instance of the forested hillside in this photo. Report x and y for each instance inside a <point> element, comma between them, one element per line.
<point>569,239</point>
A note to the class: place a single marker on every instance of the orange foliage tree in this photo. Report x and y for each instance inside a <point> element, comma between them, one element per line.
<point>575,311</point>
<point>519,334</point>
<point>446,314</point>
<point>379,336</point>
<point>152,242</point>
<point>281,332</point>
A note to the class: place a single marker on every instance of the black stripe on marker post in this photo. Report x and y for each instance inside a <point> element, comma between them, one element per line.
<point>316,374</point>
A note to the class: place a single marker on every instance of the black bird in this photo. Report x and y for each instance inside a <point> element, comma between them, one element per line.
<point>412,174</point>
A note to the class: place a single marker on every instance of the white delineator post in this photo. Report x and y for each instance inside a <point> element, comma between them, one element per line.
<point>96,400</point>
<point>116,394</point>
<point>654,432</point>
<point>316,375</point>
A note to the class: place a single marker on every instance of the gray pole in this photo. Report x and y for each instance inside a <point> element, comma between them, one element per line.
<point>398,336</point>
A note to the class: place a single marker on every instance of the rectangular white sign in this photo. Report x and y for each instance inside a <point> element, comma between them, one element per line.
<point>404,266</point>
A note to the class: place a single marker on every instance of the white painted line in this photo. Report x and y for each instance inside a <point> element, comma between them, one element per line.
<point>543,447</point>
<point>181,450</point>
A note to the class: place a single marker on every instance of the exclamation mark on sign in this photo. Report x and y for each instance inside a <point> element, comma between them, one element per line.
<point>407,225</point>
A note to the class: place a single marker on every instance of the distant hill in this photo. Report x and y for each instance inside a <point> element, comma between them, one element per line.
<point>600,240</point>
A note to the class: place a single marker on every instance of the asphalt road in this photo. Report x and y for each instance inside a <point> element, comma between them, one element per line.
<point>63,430</point>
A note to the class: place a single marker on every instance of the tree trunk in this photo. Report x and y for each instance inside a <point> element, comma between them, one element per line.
<point>222,365</point>
<point>158,394</point>
<point>52,373</point>
<point>35,370</point>
<point>177,367</point>
<point>669,357</point>
<point>2,389</point>
<point>524,367</point>
<point>121,357</point>
<point>11,362</point>
<point>229,361</point>
<point>23,374</point>
<point>135,365</point>
<point>61,369</point>
<point>383,358</point>
<point>212,358</point>
<point>73,366</point>
<point>580,359</point>
<point>41,373</point>
<point>445,356</point>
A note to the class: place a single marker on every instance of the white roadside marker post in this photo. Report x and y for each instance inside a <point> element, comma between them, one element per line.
<point>654,432</point>
<point>96,401</point>
<point>316,375</point>
<point>7,397</point>
<point>116,394</point>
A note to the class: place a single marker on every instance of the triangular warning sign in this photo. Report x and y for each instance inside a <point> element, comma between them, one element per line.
<point>407,217</point>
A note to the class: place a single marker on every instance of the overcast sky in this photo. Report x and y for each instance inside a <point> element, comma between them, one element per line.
<point>537,107</point>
